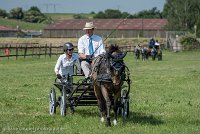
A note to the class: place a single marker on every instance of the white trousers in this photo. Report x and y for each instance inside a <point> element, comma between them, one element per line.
<point>86,67</point>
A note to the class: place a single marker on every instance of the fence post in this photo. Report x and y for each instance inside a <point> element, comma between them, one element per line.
<point>16,52</point>
<point>50,47</point>
<point>39,50</point>
<point>56,51</point>
<point>32,49</point>
<point>25,51</point>
<point>45,50</point>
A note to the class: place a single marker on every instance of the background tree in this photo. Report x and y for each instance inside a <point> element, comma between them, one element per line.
<point>152,13</point>
<point>3,13</point>
<point>99,15</point>
<point>111,13</point>
<point>125,15</point>
<point>34,15</point>
<point>116,14</point>
<point>182,15</point>
<point>108,14</point>
<point>16,13</point>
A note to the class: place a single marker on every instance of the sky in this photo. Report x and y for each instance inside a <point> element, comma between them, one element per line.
<point>83,6</point>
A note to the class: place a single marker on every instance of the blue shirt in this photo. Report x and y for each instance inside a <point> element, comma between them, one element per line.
<point>65,66</point>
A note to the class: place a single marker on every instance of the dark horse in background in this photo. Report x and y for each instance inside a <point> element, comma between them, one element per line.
<point>137,51</point>
<point>153,52</point>
<point>156,52</point>
<point>107,78</point>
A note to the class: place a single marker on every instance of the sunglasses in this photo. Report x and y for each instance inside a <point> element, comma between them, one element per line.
<point>70,49</point>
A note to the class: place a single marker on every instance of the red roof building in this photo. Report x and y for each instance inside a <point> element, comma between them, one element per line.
<point>7,32</point>
<point>126,28</point>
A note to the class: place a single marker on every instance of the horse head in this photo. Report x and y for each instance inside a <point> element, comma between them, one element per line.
<point>117,66</point>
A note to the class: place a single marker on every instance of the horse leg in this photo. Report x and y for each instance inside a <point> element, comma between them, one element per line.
<point>100,101</point>
<point>108,104</point>
<point>102,108</point>
<point>116,105</point>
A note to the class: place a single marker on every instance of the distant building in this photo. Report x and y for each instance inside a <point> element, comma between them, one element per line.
<point>8,32</point>
<point>32,34</point>
<point>127,29</point>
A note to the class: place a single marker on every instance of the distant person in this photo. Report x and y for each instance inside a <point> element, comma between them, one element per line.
<point>152,43</point>
<point>157,45</point>
<point>89,46</point>
<point>65,63</point>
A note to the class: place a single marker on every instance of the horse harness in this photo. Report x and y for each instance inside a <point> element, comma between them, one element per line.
<point>103,77</point>
<point>108,63</point>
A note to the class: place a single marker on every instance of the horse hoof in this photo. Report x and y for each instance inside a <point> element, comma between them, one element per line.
<point>115,122</point>
<point>108,125</point>
<point>102,119</point>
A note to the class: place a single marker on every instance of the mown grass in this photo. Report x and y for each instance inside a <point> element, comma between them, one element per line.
<point>164,98</point>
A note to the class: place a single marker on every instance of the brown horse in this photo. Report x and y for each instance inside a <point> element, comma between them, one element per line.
<point>106,74</point>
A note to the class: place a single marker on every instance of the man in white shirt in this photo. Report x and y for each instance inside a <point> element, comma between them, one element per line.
<point>89,46</point>
<point>64,66</point>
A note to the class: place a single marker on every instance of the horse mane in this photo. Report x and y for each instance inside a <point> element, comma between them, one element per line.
<point>113,48</point>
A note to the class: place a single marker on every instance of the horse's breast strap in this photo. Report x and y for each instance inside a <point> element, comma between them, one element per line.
<point>104,78</point>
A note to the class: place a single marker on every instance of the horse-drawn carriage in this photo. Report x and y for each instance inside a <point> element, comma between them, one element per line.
<point>146,52</point>
<point>77,91</point>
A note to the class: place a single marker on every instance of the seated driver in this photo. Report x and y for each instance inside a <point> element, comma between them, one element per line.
<point>65,63</point>
<point>90,45</point>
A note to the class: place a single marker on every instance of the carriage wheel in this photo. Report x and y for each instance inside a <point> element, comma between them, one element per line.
<point>125,104</point>
<point>72,109</point>
<point>52,101</point>
<point>72,106</point>
<point>63,104</point>
<point>119,110</point>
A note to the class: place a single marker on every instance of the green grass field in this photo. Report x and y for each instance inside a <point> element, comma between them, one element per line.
<point>164,98</point>
<point>21,24</point>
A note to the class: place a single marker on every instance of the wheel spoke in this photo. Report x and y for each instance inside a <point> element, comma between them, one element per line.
<point>52,101</point>
<point>63,103</point>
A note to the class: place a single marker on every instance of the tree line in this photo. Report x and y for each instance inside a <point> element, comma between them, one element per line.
<point>32,15</point>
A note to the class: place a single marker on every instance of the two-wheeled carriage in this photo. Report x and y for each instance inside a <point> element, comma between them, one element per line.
<point>77,91</point>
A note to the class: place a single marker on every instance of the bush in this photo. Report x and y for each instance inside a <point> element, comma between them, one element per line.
<point>16,13</point>
<point>3,13</point>
<point>190,43</point>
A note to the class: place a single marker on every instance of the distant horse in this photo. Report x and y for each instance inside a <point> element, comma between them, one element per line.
<point>107,78</point>
<point>137,53</point>
<point>159,55</point>
<point>145,53</point>
<point>153,53</point>
<point>156,53</point>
